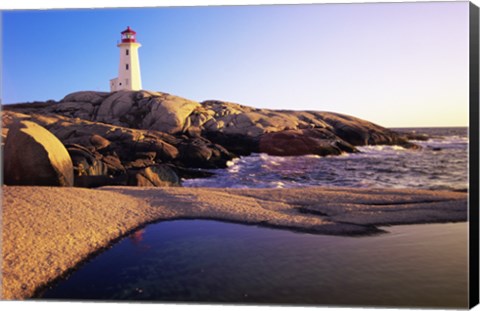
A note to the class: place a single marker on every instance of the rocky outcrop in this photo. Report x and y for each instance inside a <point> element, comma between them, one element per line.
<point>234,119</point>
<point>34,156</point>
<point>104,154</point>
<point>300,142</point>
<point>359,132</point>
<point>140,110</point>
<point>121,134</point>
<point>211,119</point>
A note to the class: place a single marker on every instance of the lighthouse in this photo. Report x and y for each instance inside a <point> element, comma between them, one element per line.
<point>129,66</point>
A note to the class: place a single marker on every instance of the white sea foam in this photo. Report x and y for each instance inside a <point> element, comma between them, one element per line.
<point>442,163</point>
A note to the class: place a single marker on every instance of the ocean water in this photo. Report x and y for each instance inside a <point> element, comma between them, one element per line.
<point>441,164</point>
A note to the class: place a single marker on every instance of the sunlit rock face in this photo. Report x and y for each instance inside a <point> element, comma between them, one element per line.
<point>176,115</point>
<point>104,154</point>
<point>141,110</point>
<point>34,156</point>
<point>116,135</point>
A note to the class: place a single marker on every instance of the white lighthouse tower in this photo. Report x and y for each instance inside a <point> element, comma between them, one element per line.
<point>129,67</point>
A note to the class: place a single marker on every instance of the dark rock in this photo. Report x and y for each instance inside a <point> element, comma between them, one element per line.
<point>99,142</point>
<point>114,165</point>
<point>344,146</point>
<point>163,150</point>
<point>139,163</point>
<point>187,173</point>
<point>199,152</point>
<point>153,176</point>
<point>150,155</point>
<point>407,145</point>
<point>302,142</point>
<point>358,132</point>
<point>413,135</point>
<point>86,162</point>
<point>100,181</point>
<point>240,145</point>
<point>193,131</point>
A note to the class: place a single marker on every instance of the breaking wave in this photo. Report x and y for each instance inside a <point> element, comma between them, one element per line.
<point>441,164</point>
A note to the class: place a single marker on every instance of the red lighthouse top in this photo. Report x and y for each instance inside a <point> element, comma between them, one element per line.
<point>128,35</point>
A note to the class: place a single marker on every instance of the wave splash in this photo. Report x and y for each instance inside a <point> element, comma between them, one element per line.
<point>441,164</point>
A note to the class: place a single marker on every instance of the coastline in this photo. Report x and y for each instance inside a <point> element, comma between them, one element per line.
<point>48,231</point>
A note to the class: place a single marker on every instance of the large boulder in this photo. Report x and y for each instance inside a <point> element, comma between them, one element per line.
<point>34,156</point>
<point>168,113</point>
<point>8,118</point>
<point>145,110</point>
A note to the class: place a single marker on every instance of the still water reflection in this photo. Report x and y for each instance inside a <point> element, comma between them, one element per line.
<point>211,261</point>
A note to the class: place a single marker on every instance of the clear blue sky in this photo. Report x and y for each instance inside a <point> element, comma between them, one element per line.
<point>396,64</point>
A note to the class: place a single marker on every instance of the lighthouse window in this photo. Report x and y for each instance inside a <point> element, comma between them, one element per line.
<point>126,66</point>
<point>126,52</point>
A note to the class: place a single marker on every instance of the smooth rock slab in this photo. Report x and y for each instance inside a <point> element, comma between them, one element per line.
<point>49,230</point>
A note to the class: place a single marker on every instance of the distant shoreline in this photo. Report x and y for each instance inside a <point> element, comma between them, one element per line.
<point>48,231</point>
<point>426,127</point>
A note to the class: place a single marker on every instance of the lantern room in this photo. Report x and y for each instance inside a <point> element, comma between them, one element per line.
<point>128,35</point>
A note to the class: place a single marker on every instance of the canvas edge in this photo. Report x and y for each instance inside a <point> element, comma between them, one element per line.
<point>474,158</point>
